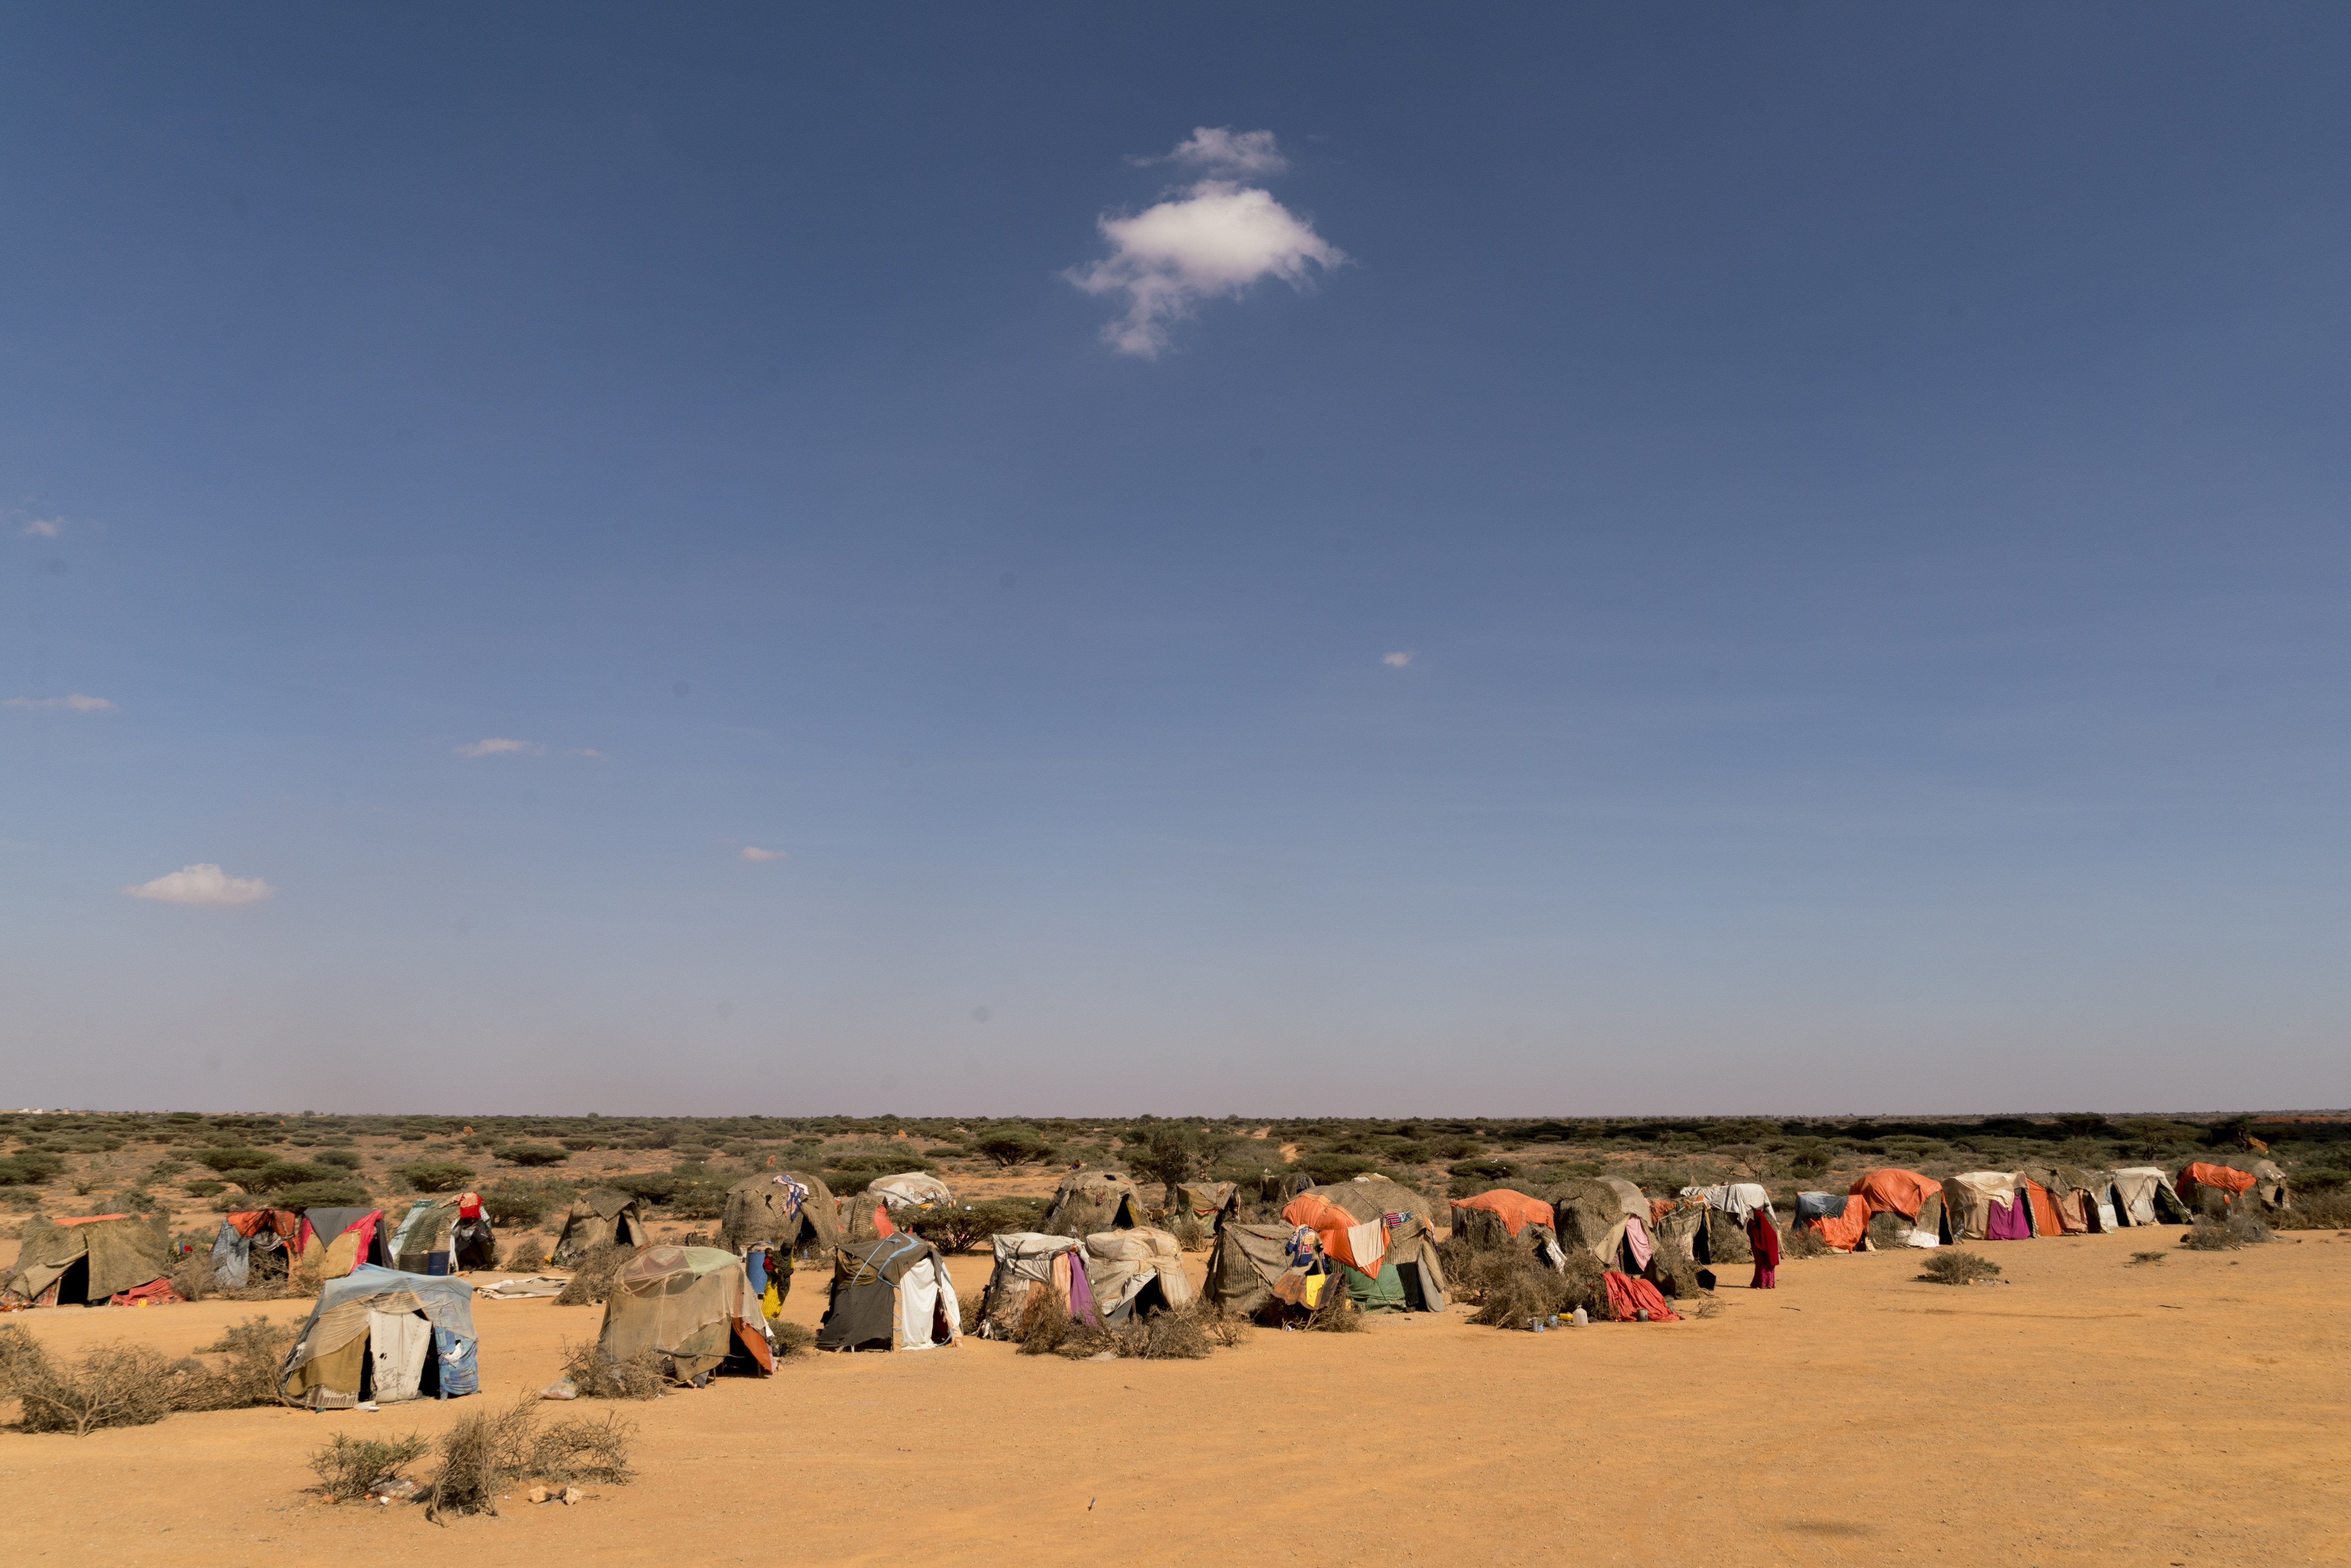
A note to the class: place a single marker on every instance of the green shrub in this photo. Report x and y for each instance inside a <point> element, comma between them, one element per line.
<point>532,1154</point>
<point>326,1193</point>
<point>29,1167</point>
<point>435,1175</point>
<point>523,1201</point>
<point>1012,1146</point>
<point>958,1226</point>
<point>341,1158</point>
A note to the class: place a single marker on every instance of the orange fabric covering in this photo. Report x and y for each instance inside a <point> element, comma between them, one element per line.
<point>284,1221</point>
<point>1329,1221</point>
<point>154,1293</point>
<point>1893,1191</point>
<point>882,1226</point>
<point>2044,1213</point>
<point>1628,1293</point>
<point>1514,1207</point>
<point>2231,1182</point>
<point>1846,1230</point>
<point>94,1218</point>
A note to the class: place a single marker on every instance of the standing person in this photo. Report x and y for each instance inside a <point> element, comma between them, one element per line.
<point>1764,1237</point>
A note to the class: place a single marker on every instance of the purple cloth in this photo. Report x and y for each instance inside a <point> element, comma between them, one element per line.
<point>2009,1221</point>
<point>1081,1291</point>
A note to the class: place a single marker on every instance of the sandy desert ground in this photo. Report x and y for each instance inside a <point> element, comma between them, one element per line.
<point>2192,1412</point>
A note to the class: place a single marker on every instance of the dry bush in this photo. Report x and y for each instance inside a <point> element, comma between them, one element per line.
<point>24,1360</point>
<point>597,1373</point>
<point>528,1252</point>
<point>2146,1258</point>
<point>256,1351</point>
<point>347,1467</point>
<point>592,1280</point>
<point>578,1450</point>
<point>308,1274</point>
<point>1337,1314</point>
<point>484,1451</point>
<point>1189,1233</point>
<point>1517,1289</point>
<point>1179,1335</point>
<point>1889,1231</point>
<point>2226,1234</point>
<point>1949,1267</point>
<point>1231,1334</point>
<point>1044,1325</point>
<point>2329,1210</point>
<point>1804,1241</point>
<point>112,1385</point>
<point>192,1276</point>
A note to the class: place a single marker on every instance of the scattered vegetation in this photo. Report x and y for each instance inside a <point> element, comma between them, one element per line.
<point>252,1353</point>
<point>592,1282</point>
<point>532,1154</point>
<point>2141,1258</point>
<point>111,1385</point>
<point>2226,1233</point>
<point>1952,1267</point>
<point>598,1374</point>
<point>435,1176</point>
<point>960,1226</point>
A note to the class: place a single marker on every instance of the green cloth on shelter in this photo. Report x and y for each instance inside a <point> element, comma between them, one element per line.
<point>1383,1294</point>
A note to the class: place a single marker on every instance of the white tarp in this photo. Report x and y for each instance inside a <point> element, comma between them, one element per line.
<point>397,1342</point>
<point>911,1190</point>
<point>924,1292</point>
<point>2135,1186</point>
<point>1737,1198</point>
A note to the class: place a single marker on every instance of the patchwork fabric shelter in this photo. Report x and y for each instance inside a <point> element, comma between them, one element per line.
<point>1371,1195</point>
<point>694,1308</point>
<point>254,1245</point>
<point>1389,1255</point>
<point>380,1335</point>
<point>888,1203</point>
<point>788,1211</point>
<point>1995,1205</point>
<point>2076,1197</point>
<point>1209,1202</point>
<point>1248,1262</point>
<point>891,1292</point>
<point>437,1237</point>
<point>1842,1220</point>
<point>1136,1271</point>
<point>601,1217</point>
<point>2143,1195</point>
<point>1027,1262</point>
<point>351,1237</point>
<point>1721,1240</point>
<point>1906,1195</point>
<point>90,1262</point>
<point>1607,1216</point>
<point>1088,1201</point>
<point>2202,1185</point>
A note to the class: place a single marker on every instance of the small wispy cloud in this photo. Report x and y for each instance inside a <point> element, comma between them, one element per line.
<point>757,856</point>
<point>1212,239</point>
<point>587,751</point>
<point>1398,660</point>
<point>44,527</point>
<point>78,702</point>
<point>1221,150</point>
<point>500,746</point>
<point>203,884</point>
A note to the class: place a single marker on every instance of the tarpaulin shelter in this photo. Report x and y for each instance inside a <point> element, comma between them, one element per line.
<point>694,1308</point>
<point>256,1243</point>
<point>351,1237</point>
<point>1209,1202</point>
<point>380,1335</point>
<point>1840,1219</point>
<point>2080,1198</point>
<point>1997,1205</point>
<point>601,1217</point>
<point>1088,1201</point>
<point>1504,1211</point>
<point>2143,1195</point>
<point>438,1237</point>
<point>888,1203</point>
<point>1912,1197</point>
<point>893,1289</point>
<point>1246,1264</point>
<point>1388,1254</point>
<point>1136,1272</point>
<point>2210,1187</point>
<point>788,1211</point>
<point>1027,1262</point>
<point>90,1262</point>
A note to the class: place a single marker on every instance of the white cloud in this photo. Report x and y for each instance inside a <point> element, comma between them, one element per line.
<point>758,856</point>
<point>587,751</point>
<point>497,745</point>
<point>202,885</point>
<point>44,527</point>
<point>1221,150</point>
<point>80,702</point>
<point>1212,239</point>
<point>1397,661</point>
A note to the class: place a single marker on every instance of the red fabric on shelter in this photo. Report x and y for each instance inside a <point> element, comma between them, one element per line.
<point>1514,1207</point>
<point>1628,1293</point>
<point>1845,1231</point>
<point>154,1293</point>
<point>882,1226</point>
<point>2044,1213</point>
<point>1895,1191</point>
<point>247,1222</point>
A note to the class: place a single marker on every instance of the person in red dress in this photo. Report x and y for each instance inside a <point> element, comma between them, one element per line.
<point>1764,1237</point>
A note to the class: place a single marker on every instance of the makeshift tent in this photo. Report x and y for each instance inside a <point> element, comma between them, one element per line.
<point>2268,1186</point>
<point>1412,1260</point>
<point>1027,1262</point>
<point>2143,1195</point>
<point>1995,1206</point>
<point>2076,1197</point>
<point>890,1288</point>
<point>438,1237</point>
<point>256,1243</point>
<point>380,1335</point>
<point>890,1203</point>
<point>1608,1218</point>
<point>1371,1195</point>
<point>787,1210</point>
<point>1209,1202</point>
<point>88,1262</point>
<point>601,1217</point>
<point>2210,1188</point>
<point>351,1237</point>
<point>694,1308</point>
<point>1088,1201</point>
<point>1721,1240</point>
<point>1370,1241</point>
<point>1490,1217</point>
<point>1839,1219</point>
<point>1907,1196</point>
<point>1248,1261</point>
<point>1136,1272</point>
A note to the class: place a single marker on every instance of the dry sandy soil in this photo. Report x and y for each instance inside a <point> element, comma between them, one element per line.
<point>2192,1412</point>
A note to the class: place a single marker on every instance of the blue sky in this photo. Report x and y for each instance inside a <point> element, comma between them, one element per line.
<point>1862,493</point>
